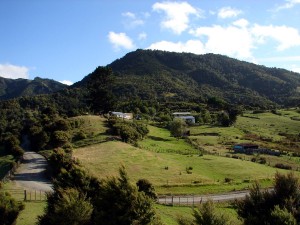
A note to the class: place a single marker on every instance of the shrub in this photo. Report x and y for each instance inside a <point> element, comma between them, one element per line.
<point>283,166</point>
<point>145,186</point>
<point>228,180</point>
<point>80,136</point>
<point>9,209</point>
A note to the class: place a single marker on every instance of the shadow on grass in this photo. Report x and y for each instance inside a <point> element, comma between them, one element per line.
<point>157,138</point>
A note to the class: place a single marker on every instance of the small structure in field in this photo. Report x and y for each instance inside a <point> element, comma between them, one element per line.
<point>122,115</point>
<point>250,149</point>
<point>186,116</point>
<point>245,148</point>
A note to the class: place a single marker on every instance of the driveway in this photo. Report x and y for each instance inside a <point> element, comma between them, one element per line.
<point>31,173</point>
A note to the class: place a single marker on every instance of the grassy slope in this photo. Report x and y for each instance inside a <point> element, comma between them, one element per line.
<point>167,170</point>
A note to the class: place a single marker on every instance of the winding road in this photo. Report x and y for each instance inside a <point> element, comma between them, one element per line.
<point>31,173</point>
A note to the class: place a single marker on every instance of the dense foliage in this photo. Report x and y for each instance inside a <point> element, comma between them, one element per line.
<point>278,206</point>
<point>184,77</point>
<point>9,209</point>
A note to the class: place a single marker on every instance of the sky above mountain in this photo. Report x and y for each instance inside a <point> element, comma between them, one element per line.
<point>65,40</point>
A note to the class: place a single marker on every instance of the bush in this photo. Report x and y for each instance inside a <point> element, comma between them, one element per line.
<point>145,186</point>
<point>283,166</point>
<point>228,180</point>
<point>80,136</point>
<point>9,209</point>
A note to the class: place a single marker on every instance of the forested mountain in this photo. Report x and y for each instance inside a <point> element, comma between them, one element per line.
<point>170,76</point>
<point>13,88</point>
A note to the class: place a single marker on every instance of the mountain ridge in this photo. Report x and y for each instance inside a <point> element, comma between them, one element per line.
<point>209,75</point>
<point>14,88</point>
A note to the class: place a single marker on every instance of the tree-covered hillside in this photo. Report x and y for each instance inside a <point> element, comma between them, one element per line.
<point>173,76</point>
<point>10,88</point>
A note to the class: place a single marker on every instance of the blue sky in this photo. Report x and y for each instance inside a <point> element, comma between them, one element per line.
<point>65,40</point>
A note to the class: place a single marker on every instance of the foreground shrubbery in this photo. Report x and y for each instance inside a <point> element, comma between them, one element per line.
<point>9,209</point>
<point>79,198</point>
<point>278,206</point>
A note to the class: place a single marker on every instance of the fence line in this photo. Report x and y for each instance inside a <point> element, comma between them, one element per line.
<point>191,200</point>
<point>26,195</point>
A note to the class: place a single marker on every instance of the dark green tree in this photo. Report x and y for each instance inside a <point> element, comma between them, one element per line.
<point>67,207</point>
<point>120,203</point>
<point>267,207</point>
<point>100,84</point>
<point>145,186</point>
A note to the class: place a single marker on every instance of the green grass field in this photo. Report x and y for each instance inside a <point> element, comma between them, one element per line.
<point>168,171</point>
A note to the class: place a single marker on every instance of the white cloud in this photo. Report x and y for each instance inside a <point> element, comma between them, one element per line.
<point>228,12</point>
<point>295,68</point>
<point>287,37</point>
<point>288,5</point>
<point>120,40</point>
<point>177,15</point>
<point>281,59</point>
<point>232,41</point>
<point>131,21</point>
<point>67,82</point>
<point>241,23</point>
<point>142,36</point>
<point>13,71</point>
<point>192,46</point>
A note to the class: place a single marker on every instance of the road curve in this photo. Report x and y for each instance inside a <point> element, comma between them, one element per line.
<point>191,200</point>
<point>31,173</point>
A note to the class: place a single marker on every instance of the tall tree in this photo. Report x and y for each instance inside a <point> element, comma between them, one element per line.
<point>100,85</point>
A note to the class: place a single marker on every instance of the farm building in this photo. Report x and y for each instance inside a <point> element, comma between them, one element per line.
<point>251,149</point>
<point>185,116</point>
<point>245,148</point>
<point>122,115</point>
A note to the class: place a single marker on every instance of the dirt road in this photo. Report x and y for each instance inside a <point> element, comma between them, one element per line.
<point>190,200</point>
<point>31,173</point>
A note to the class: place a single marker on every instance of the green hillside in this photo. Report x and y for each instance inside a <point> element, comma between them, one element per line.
<point>170,76</point>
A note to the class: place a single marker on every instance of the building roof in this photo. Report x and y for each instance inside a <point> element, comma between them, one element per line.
<point>181,113</point>
<point>246,145</point>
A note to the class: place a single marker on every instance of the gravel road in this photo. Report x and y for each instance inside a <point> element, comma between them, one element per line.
<point>190,200</point>
<point>31,173</point>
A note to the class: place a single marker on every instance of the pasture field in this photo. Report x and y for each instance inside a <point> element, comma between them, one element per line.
<point>268,130</point>
<point>175,167</point>
<point>173,173</point>
<point>91,129</point>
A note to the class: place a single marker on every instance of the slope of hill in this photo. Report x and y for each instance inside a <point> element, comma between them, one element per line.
<point>10,88</point>
<point>183,76</point>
